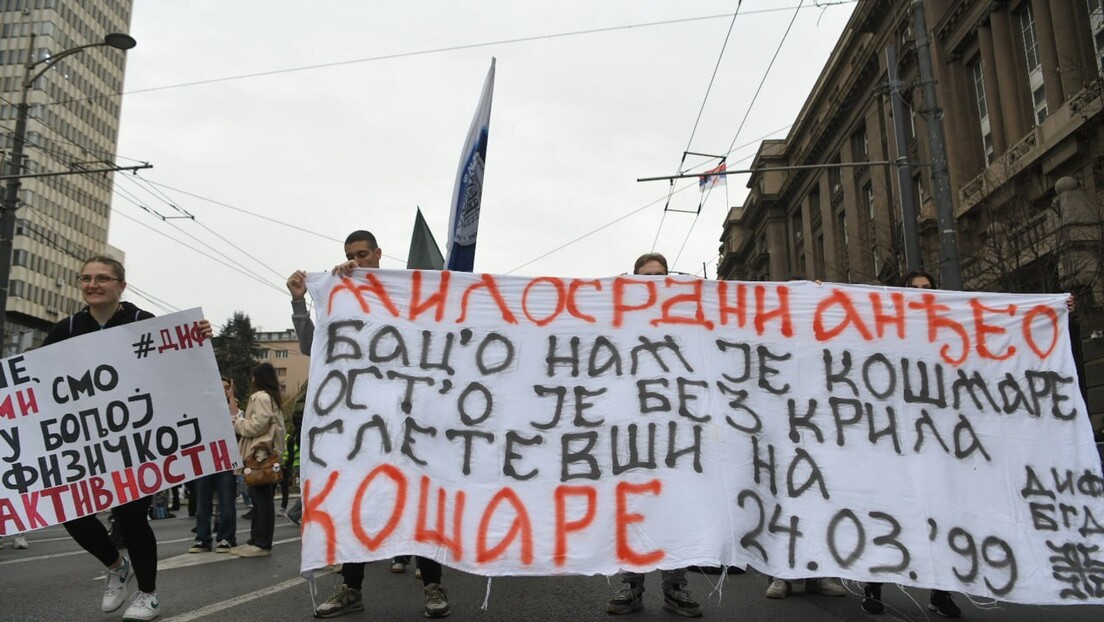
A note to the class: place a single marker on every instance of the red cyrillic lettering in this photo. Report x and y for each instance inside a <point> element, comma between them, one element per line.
<point>387,470</point>
<point>561,299</point>
<point>435,301</point>
<point>694,298</point>
<point>438,535</point>
<point>838,298</point>
<point>312,514</point>
<point>762,316</point>
<point>981,329</point>
<point>625,518</point>
<point>520,525</point>
<point>564,526</point>
<point>487,282</point>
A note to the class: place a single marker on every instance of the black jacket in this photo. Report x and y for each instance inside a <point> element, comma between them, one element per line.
<point>82,322</point>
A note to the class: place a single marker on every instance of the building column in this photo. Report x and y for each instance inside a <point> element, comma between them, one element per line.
<point>992,89</point>
<point>1048,54</point>
<point>1072,63</point>
<point>1011,97</point>
<point>963,148</point>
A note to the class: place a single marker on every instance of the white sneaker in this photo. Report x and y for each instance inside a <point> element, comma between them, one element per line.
<point>20,543</point>
<point>144,606</point>
<point>115,589</point>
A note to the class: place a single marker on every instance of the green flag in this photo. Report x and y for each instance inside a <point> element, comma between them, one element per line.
<point>424,253</point>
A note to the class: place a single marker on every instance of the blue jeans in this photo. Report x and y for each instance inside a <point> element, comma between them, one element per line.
<point>224,485</point>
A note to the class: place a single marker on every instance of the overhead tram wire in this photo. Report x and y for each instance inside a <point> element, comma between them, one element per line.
<point>229,261</point>
<point>747,113</point>
<point>254,214</point>
<point>115,188</point>
<point>639,209</point>
<point>266,265</point>
<point>68,160</point>
<point>441,50</point>
<point>192,248</point>
<point>43,222</point>
<point>150,298</point>
<point>694,129</point>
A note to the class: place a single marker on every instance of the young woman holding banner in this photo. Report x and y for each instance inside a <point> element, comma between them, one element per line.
<point>102,281</point>
<point>939,601</point>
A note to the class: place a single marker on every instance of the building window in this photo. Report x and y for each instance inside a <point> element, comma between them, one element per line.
<point>1034,66</point>
<point>978,73</point>
<point>860,146</point>
<point>868,197</point>
<point>797,234</point>
<point>260,354</point>
<point>841,249</point>
<point>835,184</point>
<point>1096,23</point>
<point>281,372</point>
<point>281,354</point>
<point>818,258</point>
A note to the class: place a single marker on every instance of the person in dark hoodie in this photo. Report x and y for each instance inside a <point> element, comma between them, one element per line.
<point>102,281</point>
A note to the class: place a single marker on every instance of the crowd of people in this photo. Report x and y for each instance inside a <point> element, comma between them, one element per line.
<point>262,430</point>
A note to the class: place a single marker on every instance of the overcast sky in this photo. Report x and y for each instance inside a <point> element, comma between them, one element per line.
<point>376,131</point>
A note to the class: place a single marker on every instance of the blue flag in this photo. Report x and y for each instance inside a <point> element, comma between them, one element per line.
<point>467,194</point>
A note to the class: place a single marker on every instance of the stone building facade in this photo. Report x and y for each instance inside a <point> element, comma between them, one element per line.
<point>1019,91</point>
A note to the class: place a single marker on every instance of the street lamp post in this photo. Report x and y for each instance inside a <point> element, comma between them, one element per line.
<point>115,40</point>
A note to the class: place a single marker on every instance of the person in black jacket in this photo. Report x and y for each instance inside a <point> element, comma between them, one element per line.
<point>102,281</point>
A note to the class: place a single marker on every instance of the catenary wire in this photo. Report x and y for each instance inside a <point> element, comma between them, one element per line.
<point>636,210</point>
<point>697,120</point>
<point>453,48</point>
<point>743,121</point>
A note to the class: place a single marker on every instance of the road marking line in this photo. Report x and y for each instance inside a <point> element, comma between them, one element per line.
<point>214,608</point>
<point>188,560</point>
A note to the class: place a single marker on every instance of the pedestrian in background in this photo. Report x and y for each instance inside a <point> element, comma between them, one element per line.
<point>262,434</point>
<point>222,485</point>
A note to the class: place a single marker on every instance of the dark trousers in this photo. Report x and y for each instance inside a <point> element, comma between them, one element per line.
<point>224,487</point>
<point>353,574</point>
<point>264,515</point>
<point>289,468</point>
<point>92,536</point>
<point>191,489</point>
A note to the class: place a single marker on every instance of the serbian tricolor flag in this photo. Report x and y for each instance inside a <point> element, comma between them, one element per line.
<point>467,194</point>
<point>712,178</point>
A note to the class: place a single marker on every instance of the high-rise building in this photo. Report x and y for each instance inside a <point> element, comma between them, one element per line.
<point>73,124</point>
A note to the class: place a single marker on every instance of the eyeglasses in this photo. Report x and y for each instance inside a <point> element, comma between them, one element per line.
<point>98,279</point>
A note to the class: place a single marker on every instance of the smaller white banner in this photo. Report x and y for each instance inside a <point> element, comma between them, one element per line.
<point>107,418</point>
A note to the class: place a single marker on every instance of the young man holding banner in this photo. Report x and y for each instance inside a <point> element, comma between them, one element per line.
<point>676,597</point>
<point>361,251</point>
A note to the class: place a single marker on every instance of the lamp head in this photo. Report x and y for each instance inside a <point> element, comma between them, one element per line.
<point>120,41</point>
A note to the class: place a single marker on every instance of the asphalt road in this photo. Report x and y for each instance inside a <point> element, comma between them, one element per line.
<point>56,581</point>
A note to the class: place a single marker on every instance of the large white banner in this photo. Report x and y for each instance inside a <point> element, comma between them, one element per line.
<point>543,426</point>
<point>109,417</point>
